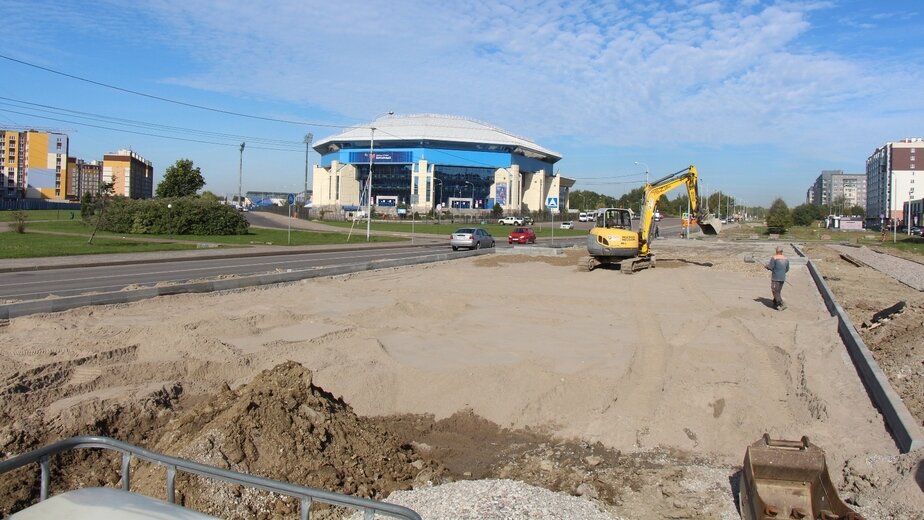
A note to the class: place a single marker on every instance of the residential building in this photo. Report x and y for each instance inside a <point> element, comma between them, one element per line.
<point>83,177</point>
<point>436,162</point>
<point>33,164</point>
<point>891,172</point>
<point>131,175</point>
<point>834,187</point>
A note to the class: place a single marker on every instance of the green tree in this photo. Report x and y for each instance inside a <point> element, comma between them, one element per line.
<point>497,211</point>
<point>181,179</point>
<point>856,211</point>
<point>209,196</point>
<point>779,218</point>
<point>805,214</point>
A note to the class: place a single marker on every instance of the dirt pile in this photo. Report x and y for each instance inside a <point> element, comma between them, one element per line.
<point>284,427</point>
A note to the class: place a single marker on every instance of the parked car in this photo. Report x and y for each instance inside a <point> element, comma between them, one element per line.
<point>567,225</point>
<point>472,238</point>
<point>917,231</point>
<point>522,235</point>
<point>528,221</point>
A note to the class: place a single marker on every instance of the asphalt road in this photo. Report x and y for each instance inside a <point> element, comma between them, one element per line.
<point>70,281</point>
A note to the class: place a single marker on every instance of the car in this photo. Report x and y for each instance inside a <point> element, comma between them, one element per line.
<point>522,235</point>
<point>511,221</point>
<point>528,221</point>
<point>917,231</point>
<point>471,238</point>
<point>567,225</point>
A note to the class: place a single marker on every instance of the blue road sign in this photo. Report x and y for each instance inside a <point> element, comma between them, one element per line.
<point>291,198</point>
<point>552,202</point>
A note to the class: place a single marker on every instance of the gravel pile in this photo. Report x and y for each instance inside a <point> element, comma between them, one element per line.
<point>494,500</point>
<point>905,271</point>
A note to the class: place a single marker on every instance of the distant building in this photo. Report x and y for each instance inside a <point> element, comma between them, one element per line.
<point>33,164</point>
<point>832,185</point>
<point>890,175</point>
<point>131,174</point>
<point>83,177</point>
<point>428,162</point>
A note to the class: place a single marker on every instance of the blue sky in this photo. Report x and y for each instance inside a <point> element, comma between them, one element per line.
<point>759,95</point>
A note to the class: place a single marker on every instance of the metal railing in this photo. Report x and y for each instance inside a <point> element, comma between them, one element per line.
<point>172,465</point>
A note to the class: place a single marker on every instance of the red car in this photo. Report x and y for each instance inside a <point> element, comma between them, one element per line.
<point>522,235</point>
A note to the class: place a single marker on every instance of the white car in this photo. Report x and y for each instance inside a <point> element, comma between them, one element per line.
<point>567,225</point>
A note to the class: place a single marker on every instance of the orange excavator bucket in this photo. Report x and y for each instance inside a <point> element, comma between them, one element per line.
<point>789,479</point>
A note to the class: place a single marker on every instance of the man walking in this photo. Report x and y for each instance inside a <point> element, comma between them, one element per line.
<point>778,267</point>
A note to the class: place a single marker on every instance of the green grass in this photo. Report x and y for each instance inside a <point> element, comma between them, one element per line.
<point>41,214</point>
<point>912,245</point>
<point>33,245</point>
<point>799,233</point>
<point>445,228</point>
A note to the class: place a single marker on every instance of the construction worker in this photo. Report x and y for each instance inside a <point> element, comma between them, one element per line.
<point>778,267</point>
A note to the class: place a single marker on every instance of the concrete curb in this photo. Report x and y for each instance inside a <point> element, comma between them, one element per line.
<point>904,426</point>
<point>14,310</point>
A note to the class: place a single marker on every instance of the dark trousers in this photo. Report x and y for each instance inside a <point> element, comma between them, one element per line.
<point>777,289</point>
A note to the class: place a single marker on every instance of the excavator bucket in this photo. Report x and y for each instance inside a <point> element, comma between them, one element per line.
<point>789,479</point>
<point>710,225</point>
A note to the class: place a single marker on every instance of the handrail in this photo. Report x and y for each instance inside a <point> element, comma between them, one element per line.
<point>306,495</point>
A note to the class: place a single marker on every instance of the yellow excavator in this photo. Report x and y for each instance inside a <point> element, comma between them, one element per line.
<point>612,240</point>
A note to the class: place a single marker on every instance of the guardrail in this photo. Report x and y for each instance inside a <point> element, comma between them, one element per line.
<point>306,495</point>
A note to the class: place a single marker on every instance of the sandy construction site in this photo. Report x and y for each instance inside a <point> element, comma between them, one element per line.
<point>638,392</point>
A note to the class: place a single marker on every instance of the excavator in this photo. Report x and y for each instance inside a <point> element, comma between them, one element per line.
<point>612,241</point>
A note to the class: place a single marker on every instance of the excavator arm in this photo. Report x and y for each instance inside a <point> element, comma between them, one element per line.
<point>653,193</point>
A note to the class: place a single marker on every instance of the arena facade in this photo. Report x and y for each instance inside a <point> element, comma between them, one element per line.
<point>436,162</point>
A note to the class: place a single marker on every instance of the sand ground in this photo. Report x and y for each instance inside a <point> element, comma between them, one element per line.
<point>687,358</point>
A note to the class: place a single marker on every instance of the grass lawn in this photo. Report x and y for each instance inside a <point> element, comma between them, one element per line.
<point>42,214</point>
<point>29,245</point>
<point>445,228</point>
<point>33,245</point>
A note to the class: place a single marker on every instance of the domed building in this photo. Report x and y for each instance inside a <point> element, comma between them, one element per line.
<point>432,162</point>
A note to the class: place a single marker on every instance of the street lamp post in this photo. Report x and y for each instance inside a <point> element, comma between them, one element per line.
<point>472,205</point>
<point>639,163</point>
<point>308,139</point>
<point>439,203</point>
<point>369,195</point>
<point>240,180</point>
<point>169,229</point>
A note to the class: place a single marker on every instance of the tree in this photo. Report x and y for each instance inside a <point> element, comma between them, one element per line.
<point>856,211</point>
<point>497,211</point>
<point>779,218</point>
<point>105,192</point>
<point>805,214</point>
<point>181,179</point>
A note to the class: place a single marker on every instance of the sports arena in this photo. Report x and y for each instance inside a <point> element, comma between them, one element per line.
<point>430,162</point>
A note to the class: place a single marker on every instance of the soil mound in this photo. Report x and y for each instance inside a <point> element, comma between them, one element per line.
<point>284,427</point>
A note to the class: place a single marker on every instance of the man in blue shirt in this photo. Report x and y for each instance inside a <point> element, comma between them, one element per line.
<point>778,267</point>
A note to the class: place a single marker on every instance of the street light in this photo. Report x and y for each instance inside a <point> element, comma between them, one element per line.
<point>472,204</point>
<point>639,163</point>
<point>169,230</point>
<point>371,157</point>
<point>308,138</point>
<point>240,180</point>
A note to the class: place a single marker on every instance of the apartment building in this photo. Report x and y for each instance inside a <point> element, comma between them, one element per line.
<point>131,174</point>
<point>833,186</point>
<point>83,177</point>
<point>33,164</point>
<point>891,172</point>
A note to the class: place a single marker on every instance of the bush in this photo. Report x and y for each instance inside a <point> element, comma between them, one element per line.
<point>19,221</point>
<point>186,216</point>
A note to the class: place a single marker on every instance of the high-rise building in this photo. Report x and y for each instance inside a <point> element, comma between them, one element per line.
<point>836,188</point>
<point>890,176</point>
<point>83,177</point>
<point>131,175</point>
<point>33,164</point>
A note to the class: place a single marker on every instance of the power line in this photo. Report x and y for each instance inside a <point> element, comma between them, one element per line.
<point>167,100</point>
<point>142,133</point>
<point>142,124</point>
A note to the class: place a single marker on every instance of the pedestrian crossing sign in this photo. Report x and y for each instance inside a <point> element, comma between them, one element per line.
<point>552,202</point>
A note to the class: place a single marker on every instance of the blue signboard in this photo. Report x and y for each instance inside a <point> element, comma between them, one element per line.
<point>501,197</point>
<point>290,199</point>
<point>382,157</point>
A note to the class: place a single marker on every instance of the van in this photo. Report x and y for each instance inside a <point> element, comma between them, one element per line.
<point>582,217</point>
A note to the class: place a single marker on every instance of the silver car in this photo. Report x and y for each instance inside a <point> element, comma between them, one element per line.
<point>472,238</point>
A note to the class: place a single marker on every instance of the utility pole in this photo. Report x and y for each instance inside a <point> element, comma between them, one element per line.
<point>240,180</point>
<point>369,195</point>
<point>308,138</point>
